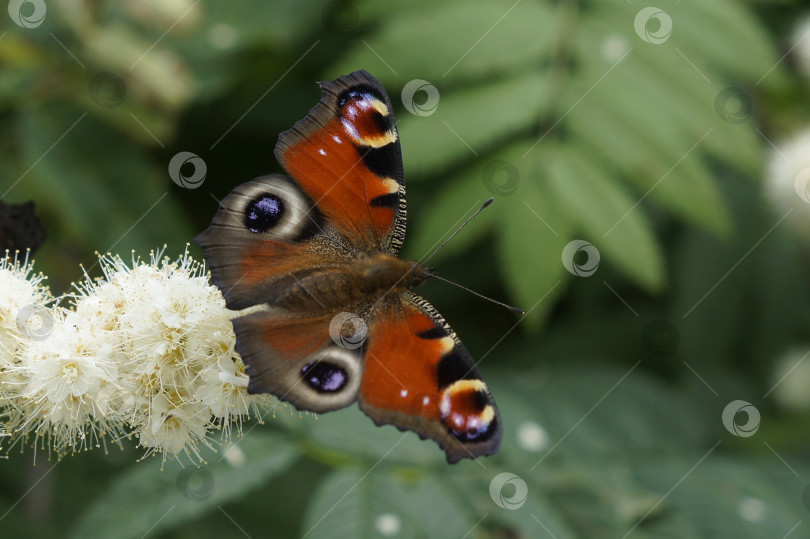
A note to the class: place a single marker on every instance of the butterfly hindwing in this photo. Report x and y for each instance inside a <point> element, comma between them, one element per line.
<point>296,359</point>
<point>418,376</point>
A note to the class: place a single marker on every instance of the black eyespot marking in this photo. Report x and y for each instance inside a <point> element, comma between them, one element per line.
<point>452,368</point>
<point>389,200</point>
<point>436,332</point>
<point>480,401</point>
<point>377,121</point>
<point>358,92</point>
<point>263,213</point>
<point>324,377</point>
<point>480,434</point>
<point>384,161</point>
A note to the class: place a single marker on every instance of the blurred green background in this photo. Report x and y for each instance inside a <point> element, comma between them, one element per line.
<point>645,133</point>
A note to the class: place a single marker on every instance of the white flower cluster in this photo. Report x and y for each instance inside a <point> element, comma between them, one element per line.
<point>146,351</point>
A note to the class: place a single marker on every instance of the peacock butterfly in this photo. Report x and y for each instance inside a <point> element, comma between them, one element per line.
<point>318,250</point>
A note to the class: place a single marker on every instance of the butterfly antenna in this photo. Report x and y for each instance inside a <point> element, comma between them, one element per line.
<point>473,292</point>
<point>453,235</point>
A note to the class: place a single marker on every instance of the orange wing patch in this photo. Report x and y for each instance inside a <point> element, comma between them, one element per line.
<point>331,171</point>
<point>266,259</point>
<point>295,338</point>
<point>400,368</point>
<point>417,376</point>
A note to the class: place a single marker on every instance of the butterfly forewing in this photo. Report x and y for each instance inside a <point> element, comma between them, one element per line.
<point>346,156</point>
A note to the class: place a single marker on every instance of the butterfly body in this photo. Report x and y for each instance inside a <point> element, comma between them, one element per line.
<point>319,251</point>
<point>367,278</point>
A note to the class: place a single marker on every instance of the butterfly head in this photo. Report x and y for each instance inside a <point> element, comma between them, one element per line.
<point>419,273</point>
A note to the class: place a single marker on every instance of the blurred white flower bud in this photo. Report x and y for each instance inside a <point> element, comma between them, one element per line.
<point>787,179</point>
<point>791,378</point>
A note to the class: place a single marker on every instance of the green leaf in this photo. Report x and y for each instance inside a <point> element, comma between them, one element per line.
<point>666,175</point>
<point>533,270</point>
<point>366,503</point>
<point>452,203</point>
<point>666,472</point>
<point>147,499</point>
<point>636,413</point>
<point>464,124</point>
<point>708,28</point>
<point>462,39</point>
<point>102,194</point>
<point>608,217</point>
<point>334,437</point>
<point>227,29</point>
<point>727,497</point>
